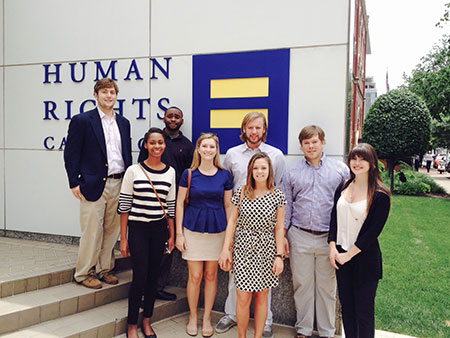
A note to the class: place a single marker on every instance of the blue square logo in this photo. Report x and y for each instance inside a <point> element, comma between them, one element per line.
<point>228,86</point>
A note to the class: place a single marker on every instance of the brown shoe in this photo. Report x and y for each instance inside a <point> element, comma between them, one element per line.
<point>92,282</point>
<point>110,278</point>
<point>300,335</point>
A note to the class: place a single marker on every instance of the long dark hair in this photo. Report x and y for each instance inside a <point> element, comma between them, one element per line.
<point>368,153</point>
<point>249,189</point>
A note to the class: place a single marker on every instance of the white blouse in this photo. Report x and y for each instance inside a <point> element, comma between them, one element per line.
<point>350,218</point>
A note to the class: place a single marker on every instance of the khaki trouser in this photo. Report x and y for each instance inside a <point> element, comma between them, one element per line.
<point>100,228</point>
<point>314,282</point>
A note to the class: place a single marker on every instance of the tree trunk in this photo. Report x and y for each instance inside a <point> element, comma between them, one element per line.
<point>391,164</point>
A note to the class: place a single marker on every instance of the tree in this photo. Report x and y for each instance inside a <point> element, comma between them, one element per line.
<point>431,79</point>
<point>445,18</point>
<point>398,126</point>
<point>440,132</point>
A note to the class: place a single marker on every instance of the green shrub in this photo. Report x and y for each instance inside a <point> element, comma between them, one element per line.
<point>416,183</point>
<point>413,188</point>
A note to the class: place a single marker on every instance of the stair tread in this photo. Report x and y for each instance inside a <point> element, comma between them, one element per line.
<point>53,294</point>
<point>86,320</point>
<point>39,270</point>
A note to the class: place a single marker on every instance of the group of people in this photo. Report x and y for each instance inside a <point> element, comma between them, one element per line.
<point>244,216</point>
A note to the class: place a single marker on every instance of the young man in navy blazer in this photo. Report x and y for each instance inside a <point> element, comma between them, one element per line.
<point>97,153</point>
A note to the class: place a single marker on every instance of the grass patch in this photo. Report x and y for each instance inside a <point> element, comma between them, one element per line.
<point>413,297</point>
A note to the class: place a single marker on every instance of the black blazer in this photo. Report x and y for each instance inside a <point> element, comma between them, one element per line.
<point>369,261</point>
<point>85,152</point>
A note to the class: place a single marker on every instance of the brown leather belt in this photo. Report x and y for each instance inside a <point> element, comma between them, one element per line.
<point>314,232</point>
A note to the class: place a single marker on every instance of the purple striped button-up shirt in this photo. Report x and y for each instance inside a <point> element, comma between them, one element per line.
<point>309,192</point>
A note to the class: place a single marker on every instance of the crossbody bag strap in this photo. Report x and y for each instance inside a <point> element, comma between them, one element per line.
<point>157,196</point>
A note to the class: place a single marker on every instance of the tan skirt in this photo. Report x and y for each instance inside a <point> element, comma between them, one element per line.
<point>202,246</point>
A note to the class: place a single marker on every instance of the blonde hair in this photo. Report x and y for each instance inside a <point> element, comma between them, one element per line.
<point>249,188</point>
<point>196,160</point>
<point>249,118</point>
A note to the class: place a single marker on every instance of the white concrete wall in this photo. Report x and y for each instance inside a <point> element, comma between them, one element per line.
<point>225,26</point>
<point>62,30</point>
<point>34,191</point>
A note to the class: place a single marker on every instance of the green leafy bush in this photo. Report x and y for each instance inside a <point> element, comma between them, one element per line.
<point>413,188</point>
<point>416,183</point>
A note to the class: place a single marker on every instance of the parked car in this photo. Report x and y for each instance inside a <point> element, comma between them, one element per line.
<point>447,166</point>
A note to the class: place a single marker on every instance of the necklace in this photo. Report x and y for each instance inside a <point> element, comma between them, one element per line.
<point>350,197</point>
<point>353,216</point>
<point>350,192</point>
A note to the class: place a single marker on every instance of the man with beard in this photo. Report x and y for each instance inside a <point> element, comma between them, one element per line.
<point>253,134</point>
<point>178,154</point>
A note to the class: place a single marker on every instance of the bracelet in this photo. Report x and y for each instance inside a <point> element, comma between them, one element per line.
<point>280,255</point>
<point>180,234</point>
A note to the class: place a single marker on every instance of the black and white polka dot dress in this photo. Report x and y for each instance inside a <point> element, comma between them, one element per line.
<point>254,245</point>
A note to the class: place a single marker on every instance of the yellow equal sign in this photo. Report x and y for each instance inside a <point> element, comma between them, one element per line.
<point>236,88</point>
<point>243,87</point>
<point>231,118</point>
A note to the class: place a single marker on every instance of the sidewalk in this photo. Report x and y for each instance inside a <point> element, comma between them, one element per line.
<point>25,259</point>
<point>442,179</point>
<point>175,327</point>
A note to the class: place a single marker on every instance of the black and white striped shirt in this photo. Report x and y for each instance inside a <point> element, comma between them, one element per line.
<point>138,198</point>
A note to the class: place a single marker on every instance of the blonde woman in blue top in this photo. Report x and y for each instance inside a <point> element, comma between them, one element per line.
<point>201,231</point>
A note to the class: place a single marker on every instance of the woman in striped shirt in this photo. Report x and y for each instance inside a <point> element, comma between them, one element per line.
<point>147,208</point>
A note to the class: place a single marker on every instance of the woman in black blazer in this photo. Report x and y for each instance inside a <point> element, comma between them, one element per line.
<point>361,208</point>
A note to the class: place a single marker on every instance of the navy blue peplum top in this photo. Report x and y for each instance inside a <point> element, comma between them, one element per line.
<point>206,211</point>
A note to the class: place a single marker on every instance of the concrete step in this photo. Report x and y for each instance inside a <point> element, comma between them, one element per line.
<point>23,310</point>
<point>52,276</point>
<point>104,321</point>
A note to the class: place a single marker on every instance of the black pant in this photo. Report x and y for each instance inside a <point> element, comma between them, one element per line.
<point>146,242</point>
<point>428,166</point>
<point>358,302</point>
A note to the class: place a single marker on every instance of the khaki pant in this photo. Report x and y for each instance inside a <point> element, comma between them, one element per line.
<point>314,282</point>
<point>100,228</point>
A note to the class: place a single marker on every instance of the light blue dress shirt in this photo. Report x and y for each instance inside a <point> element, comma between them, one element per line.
<point>310,191</point>
<point>237,158</point>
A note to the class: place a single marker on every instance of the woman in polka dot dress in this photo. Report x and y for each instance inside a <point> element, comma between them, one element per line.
<point>256,228</point>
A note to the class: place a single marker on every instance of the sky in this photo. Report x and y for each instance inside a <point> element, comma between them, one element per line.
<point>401,32</point>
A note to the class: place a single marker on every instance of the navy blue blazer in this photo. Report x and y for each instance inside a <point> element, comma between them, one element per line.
<point>369,265</point>
<point>85,152</point>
